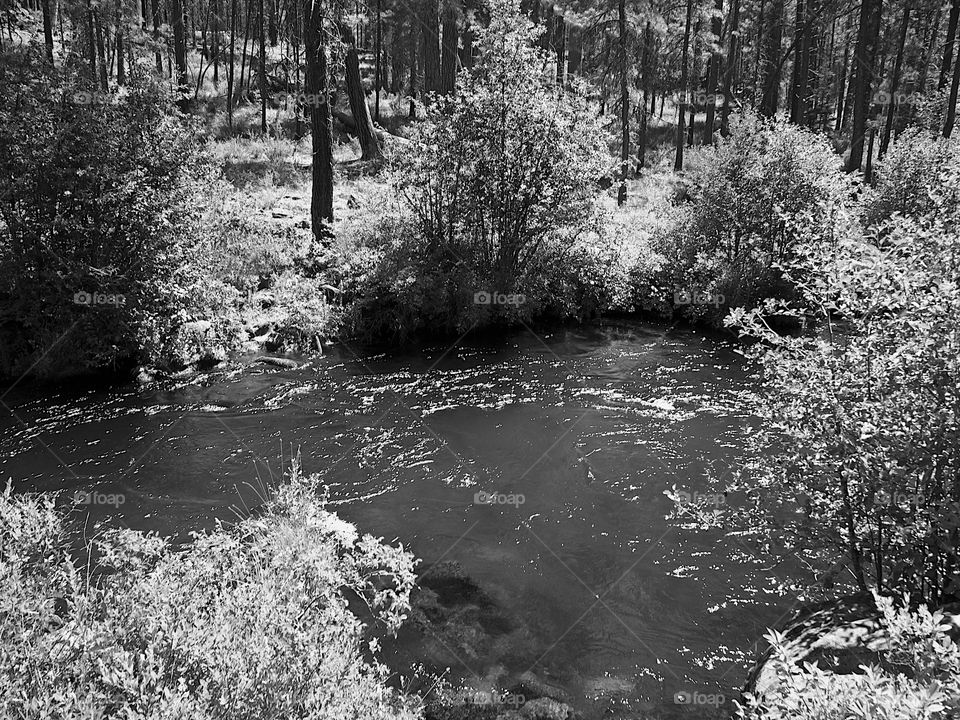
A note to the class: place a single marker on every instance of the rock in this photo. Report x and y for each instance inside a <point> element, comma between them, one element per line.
<point>837,635</point>
<point>546,709</point>
<point>145,375</point>
<point>211,357</point>
<point>278,362</point>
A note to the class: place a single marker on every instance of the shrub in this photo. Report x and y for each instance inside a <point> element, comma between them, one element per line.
<point>98,201</point>
<point>252,621</point>
<point>914,166</point>
<point>496,193</point>
<point>859,448</point>
<point>758,197</point>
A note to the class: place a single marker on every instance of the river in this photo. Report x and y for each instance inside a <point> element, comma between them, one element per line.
<point>587,426</point>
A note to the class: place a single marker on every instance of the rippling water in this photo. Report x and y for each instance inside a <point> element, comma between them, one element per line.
<point>590,425</point>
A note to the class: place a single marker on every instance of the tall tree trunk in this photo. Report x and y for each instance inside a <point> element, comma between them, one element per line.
<point>231,67</point>
<point>448,58</point>
<point>321,122</point>
<point>713,74</point>
<point>362,122</point>
<point>730,70</point>
<point>121,70</point>
<point>757,91</point>
<point>894,83</point>
<point>684,90</point>
<point>844,79</point>
<point>431,48</point>
<point>864,55</point>
<point>47,29</point>
<point>155,15</point>
<point>645,103</point>
<point>948,44</point>
<point>414,65</point>
<point>624,103</point>
<point>274,26</point>
<point>101,55</point>
<point>179,47</point>
<point>575,55</point>
<point>91,42</point>
<point>377,72</point>
<point>261,36</point>
<point>771,63</point>
<point>561,45</point>
<point>215,43</point>
<point>799,31</point>
<point>952,100</point>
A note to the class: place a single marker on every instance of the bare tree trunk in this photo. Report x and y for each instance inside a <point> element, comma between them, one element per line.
<point>952,100</point>
<point>377,73</point>
<point>47,29</point>
<point>155,14</point>
<point>645,103</point>
<point>121,70</point>
<point>431,48</point>
<point>363,124</point>
<point>561,45</point>
<point>321,122</point>
<point>215,43</point>
<point>101,55</point>
<point>730,70</point>
<point>894,84</point>
<point>865,55</point>
<point>948,44</point>
<point>624,103</point>
<point>713,74</point>
<point>771,63</point>
<point>230,67</point>
<point>261,35</point>
<point>179,46</point>
<point>448,56</point>
<point>684,90</point>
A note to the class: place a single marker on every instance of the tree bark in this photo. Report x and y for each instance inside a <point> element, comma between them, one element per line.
<point>321,123</point>
<point>431,48</point>
<point>121,70</point>
<point>179,46</point>
<point>771,62</point>
<point>624,103</point>
<point>261,36</point>
<point>948,43</point>
<point>155,13</point>
<point>730,70</point>
<point>894,84</point>
<point>47,29</point>
<point>952,100</point>
<point>378,61</point>
<point>713,74</point>
<point>865,55</point>
<point>366,133</point>
<point>448,59</point>
<point>684,90</point>
<point>231,67</point>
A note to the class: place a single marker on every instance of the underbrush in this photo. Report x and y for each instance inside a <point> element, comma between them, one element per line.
<point>259,620</point>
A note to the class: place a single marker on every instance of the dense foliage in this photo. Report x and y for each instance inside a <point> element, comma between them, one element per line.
<point>258,620</point>
<point>861,421</point>
<point>496,194</point>
<point>97,212</point>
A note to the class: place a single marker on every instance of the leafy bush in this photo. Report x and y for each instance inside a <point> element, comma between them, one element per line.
<point>495,195</point>
<point>759,196</point>
<point>859,448</point>
<point>97,202</point>
<point>918,679</point>
<point>914,166</point>
<point>253,621</point>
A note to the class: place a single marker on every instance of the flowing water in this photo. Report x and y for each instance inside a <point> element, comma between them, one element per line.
<point>620,606</point>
